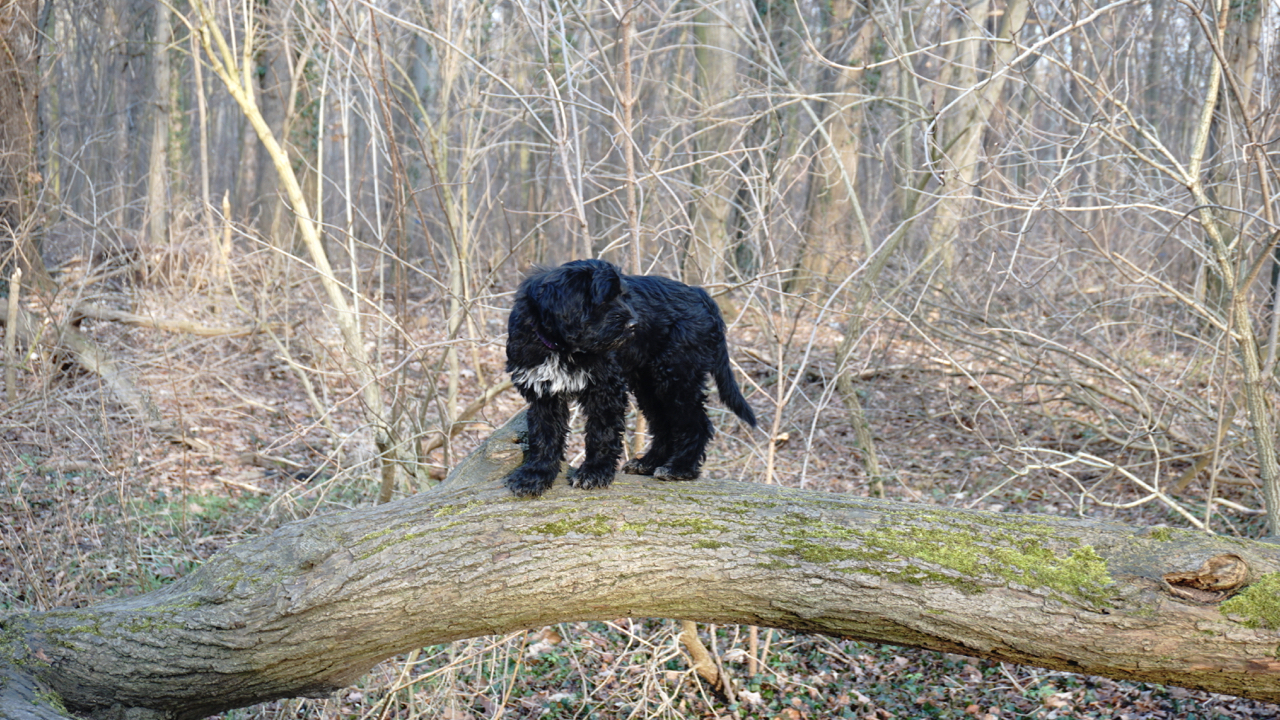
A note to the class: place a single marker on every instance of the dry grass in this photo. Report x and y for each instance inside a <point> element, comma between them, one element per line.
<point>96,504</point>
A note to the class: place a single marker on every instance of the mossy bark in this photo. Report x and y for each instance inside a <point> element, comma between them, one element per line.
<point>315,604</point>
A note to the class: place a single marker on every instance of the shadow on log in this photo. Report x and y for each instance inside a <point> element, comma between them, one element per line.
<point>314,605</point>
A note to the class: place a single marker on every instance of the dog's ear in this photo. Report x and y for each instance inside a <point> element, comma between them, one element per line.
<point>606,283</point>
<point>534,296</point>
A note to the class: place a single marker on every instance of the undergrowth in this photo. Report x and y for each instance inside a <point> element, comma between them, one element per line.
<point>95,504</point>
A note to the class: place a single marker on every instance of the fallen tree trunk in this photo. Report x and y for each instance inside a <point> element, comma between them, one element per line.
<point>315,604</point>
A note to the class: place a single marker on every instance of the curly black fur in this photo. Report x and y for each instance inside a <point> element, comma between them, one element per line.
<point>586,332</point>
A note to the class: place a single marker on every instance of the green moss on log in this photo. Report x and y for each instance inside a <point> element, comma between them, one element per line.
<point>597,525</point>
<point>962,549</point>
<point>1258,605</point>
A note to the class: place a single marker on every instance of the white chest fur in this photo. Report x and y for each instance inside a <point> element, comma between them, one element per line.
<point>551,378</point>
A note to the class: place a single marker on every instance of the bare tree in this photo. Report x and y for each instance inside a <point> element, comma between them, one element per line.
<point>235,73</point>
<point>958,131</point>
<point>715,139</point>
<point>836,149</point>
<point>158,166</point>
<point>20,177</point>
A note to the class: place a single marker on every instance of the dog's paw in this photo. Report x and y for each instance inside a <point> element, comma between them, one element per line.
<point>528,482</point>
<point>669,473</point>
<point>636,466</point>
<point>586,478</point>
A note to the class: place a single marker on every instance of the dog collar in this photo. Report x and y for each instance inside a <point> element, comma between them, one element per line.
<point>550,345</point>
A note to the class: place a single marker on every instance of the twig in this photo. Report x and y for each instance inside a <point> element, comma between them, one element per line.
<point>467,413</point>
<point>1154,493</point>
<point>11,340</point>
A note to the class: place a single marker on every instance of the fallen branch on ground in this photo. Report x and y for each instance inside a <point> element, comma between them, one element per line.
<point>98,312</point>
<point>31,330</point>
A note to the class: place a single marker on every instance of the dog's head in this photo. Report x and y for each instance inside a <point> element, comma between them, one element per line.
<point>581,306</point>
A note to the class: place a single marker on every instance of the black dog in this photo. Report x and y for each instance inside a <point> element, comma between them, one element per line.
<point>586,332</point>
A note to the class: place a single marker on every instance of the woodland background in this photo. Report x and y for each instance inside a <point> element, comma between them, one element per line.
<point>1006,254</point>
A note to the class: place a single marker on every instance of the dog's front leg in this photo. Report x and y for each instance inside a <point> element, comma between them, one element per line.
<point>605,406</point>
<point>548,421</point>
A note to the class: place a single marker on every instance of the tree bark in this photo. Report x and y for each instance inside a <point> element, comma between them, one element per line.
<point>314,605</point>
<point>965,121</point>
<point>825,250</point>
<point>716,139</point>
<point>19,129</point>
<point>158,157</point>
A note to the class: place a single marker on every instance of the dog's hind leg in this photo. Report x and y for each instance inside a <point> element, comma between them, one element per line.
<point>548,421</point>
<point>659,447</point>
<point>605,406</point>
<point>689,430</point>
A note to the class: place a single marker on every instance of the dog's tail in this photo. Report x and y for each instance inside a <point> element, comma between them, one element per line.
<point>730,394</point>
<point>726,385</point>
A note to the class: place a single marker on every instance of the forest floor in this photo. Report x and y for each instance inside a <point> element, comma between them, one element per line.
<point>95,502</point>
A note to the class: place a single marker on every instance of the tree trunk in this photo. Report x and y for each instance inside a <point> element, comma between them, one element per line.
<point>826,249</point>
<point>158,162</point>
<point>1242,26</point>
<point>713,177</point>
<point>964,121</point>
<point>273,100</point>
<point>1254,385</point>
<point>314,605</point>
<point>124,19</point>
<point>19,124</point>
